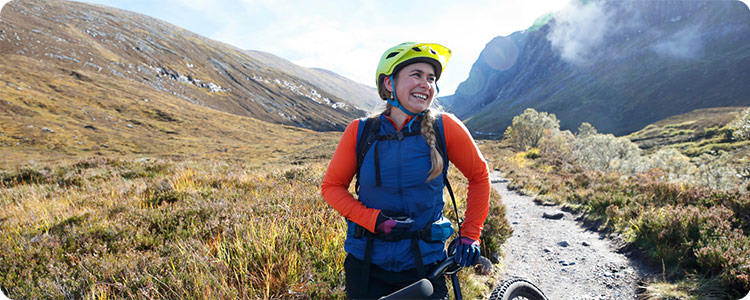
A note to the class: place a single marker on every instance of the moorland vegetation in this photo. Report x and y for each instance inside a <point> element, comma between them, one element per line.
<point>684,207</point>
<point>166,228</point>
<point>223,226</point>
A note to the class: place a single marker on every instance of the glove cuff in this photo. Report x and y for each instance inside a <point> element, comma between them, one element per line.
<point>467,241</point>
<point>381,218</point>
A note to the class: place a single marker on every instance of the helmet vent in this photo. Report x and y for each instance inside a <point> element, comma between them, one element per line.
<point>433,52</point>
<point>392,54</point>
<point>416,49</point>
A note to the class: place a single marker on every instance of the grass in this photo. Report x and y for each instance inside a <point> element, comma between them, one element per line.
<point>159,228</point>
<point>694,133</point>
<point>699,234</point>
<point>170,230</point>
<point>688,289</point>
<point>120,118</point>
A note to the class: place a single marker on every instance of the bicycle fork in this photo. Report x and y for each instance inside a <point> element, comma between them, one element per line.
<point>456,286</point>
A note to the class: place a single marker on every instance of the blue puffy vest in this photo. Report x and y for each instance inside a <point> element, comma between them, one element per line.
<point>398,186</point>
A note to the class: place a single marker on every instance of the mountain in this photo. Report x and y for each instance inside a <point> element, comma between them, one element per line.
<point>79,79</point>
<point>360,95</point>
<point>619,65</point>
<point>107,45</point>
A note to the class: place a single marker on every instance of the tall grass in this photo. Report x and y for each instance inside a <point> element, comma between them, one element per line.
<point>153,229</point>
<point>167,230</point>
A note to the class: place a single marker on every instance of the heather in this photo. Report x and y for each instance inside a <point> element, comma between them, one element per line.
<point>688,215</point>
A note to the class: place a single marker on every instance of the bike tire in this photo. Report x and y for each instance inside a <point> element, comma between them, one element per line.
<point>517,288</point>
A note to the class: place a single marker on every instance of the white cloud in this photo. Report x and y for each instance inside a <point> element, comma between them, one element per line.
<point>579,29</point>
<point>685,44</point>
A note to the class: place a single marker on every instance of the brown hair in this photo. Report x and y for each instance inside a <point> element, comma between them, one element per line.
<point>428,132</point>
<point>382,91</point>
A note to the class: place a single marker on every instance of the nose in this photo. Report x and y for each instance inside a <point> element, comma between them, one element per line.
<point>425,83</point>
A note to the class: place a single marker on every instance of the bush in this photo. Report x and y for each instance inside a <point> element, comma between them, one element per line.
<point>557,146</point>
<point>717,172</point>
<point>605,152</point>
<point>528,128</point>
<point>727,255</point>
<point>676,166</point>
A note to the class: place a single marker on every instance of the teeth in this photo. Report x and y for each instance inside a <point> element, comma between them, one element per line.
<point>420,96</point>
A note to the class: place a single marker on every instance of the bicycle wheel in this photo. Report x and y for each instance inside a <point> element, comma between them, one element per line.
<point>517,289</point>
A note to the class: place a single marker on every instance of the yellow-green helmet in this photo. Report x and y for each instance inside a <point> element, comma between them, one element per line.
<point>408,53</point>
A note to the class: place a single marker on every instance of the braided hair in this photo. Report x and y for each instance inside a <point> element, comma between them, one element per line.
<point>428,132</point>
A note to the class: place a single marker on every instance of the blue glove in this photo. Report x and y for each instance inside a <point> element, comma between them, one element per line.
<point>467,252</point>
<point>385,224</point>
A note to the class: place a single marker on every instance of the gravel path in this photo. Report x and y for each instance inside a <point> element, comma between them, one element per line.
<point>565,260</point>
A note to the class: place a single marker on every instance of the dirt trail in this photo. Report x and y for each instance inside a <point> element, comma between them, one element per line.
<point>560,256</point>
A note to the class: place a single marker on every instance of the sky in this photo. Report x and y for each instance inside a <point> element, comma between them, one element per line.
<point>349,36</point>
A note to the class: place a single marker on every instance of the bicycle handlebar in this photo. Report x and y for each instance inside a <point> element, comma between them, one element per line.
<point>423,288</point>
<point>447,267</point>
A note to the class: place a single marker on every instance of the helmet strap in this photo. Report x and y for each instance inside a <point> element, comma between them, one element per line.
<point>394,102</point>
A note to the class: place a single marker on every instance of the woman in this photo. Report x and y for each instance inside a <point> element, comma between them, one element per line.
<point>396,230</point>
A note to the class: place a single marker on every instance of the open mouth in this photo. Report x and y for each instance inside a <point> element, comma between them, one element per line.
<point>419,96</point>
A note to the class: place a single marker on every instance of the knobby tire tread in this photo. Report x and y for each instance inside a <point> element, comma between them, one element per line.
<point>517,287</point>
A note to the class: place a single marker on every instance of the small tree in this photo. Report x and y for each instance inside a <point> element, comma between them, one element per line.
<point>528,128</point>
<point>742,126</point>
<point>605,152</point>
<point>586,129</point>
<point>558,145</point>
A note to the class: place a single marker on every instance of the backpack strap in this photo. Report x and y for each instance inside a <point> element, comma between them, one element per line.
<point>442,149</point>
<point>367,133</point>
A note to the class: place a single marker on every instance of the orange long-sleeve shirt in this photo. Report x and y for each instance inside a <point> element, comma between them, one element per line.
<point>462,152</point>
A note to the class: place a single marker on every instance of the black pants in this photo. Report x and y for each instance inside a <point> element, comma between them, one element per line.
<point>382,282</point>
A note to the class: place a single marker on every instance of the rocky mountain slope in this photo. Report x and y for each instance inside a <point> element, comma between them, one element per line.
<point>107,45</point>
<point>619,65</point>
<point>79,80</point>
<point>360,95</point>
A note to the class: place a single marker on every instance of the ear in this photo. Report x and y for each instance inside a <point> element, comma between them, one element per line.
<point>387,84</point>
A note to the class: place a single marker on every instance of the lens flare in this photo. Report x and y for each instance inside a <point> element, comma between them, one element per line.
<point>501,53</point>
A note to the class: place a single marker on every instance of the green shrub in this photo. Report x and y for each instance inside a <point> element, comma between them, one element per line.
<point>528,128</point>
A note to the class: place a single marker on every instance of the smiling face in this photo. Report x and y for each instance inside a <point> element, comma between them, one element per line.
<point>415,86</point>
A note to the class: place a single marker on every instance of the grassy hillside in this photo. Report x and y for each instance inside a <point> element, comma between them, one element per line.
<point>697,132</point>
<point>56,113</point>
<point>151,56</point>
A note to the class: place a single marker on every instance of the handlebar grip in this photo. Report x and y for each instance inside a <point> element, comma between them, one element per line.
<point>418,290</point>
